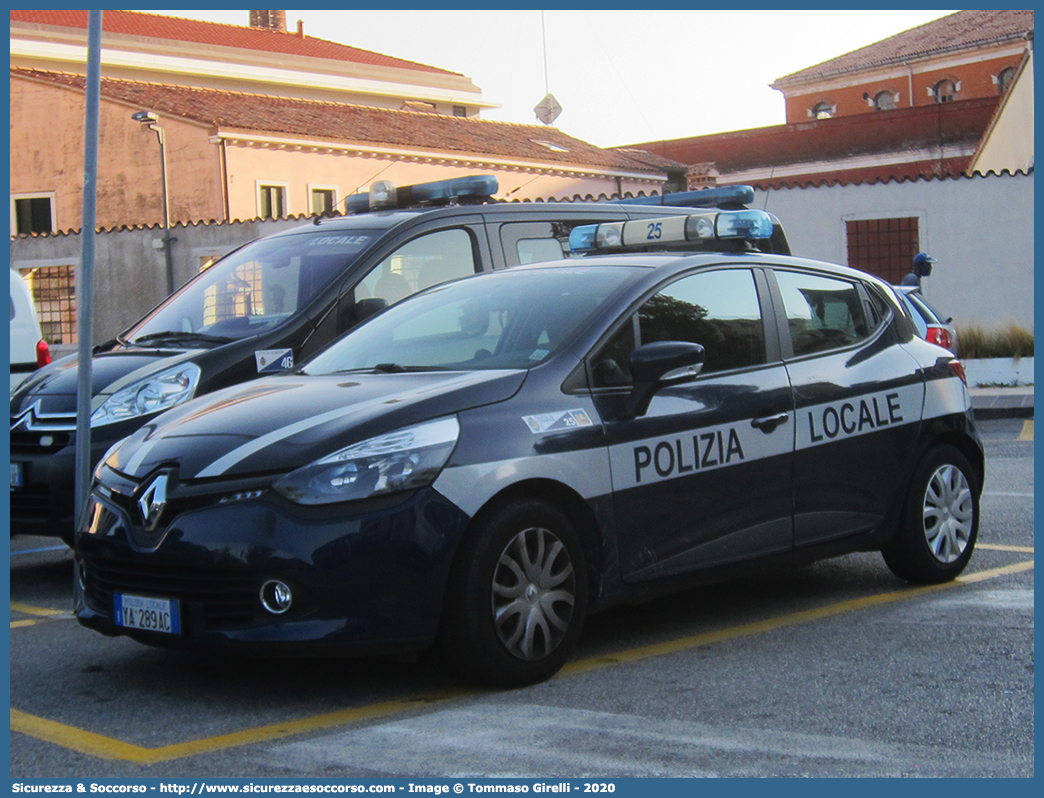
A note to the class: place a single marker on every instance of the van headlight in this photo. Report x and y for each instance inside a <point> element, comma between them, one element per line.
<point>408,458</point>
<point>157,392</point>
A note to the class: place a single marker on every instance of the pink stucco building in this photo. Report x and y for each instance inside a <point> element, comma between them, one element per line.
<point>261,122</point>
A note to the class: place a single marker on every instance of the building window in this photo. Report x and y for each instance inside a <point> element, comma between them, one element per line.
<point>824,111</point>
<point>884,101</point>
<point>55,294</point>
<point>32,213</point>
<point>460,110</point>
<point>271,201</point>
<point>322,199</point>
<point>945,91</point>
<point>883,247</point>
<point>550,145</point>
<point>1004,79</point>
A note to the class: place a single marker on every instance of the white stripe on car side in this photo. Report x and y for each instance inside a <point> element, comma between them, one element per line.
<point>946,398</point>
<point>470,486</point>
<point>591,473</point>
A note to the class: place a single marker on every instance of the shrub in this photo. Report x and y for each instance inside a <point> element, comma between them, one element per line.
<point>1010,341</point>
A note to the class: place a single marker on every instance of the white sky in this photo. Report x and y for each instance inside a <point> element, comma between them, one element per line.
<point>621,77</point>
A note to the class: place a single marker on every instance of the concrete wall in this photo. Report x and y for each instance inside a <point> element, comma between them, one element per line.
<point>980,229</point>
<point>130,271</point>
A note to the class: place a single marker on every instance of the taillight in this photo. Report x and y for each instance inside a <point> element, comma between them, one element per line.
<point>957,367</point>
<point>940,336</point>
<point>43,353</point>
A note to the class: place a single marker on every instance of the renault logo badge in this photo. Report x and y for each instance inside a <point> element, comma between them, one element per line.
<point>153,501</point>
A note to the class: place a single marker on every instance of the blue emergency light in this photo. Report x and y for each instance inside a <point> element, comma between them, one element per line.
<point>711,226</point>
<point>384,195</point>
<point>719,197</point>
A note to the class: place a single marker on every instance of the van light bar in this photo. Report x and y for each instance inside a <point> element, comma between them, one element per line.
<point>384,195</point>
<point>710,226</point>
<point>732,197</point>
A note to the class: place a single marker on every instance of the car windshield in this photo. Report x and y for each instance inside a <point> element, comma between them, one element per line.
<point>514,319</point>
<point>252,289</point>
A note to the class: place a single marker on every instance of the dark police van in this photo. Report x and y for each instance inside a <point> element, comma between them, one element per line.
<point>485,463</point>
<point>278,300</point>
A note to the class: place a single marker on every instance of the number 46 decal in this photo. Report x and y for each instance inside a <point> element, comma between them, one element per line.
<point>269,360</point>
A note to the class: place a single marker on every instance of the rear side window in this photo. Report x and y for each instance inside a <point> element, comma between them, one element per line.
<point>421,263</point>
<point>823,313</point>
<point>535,242</point>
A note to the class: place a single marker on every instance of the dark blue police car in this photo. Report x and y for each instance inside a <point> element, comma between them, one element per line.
<point>483,464</point>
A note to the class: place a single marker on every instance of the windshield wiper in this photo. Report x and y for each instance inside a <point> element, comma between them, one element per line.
<point>179,336</point>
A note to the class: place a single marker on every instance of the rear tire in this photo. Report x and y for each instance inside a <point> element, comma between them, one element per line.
<point>940,520</point>
<point>517,597</point>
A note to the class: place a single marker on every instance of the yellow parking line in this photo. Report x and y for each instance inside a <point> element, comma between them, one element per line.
<point>758,627</point>
<point>98,745</point>
<point>1027,431</point>
<point>982,576</point>
<point>42,613</point>
<point>999,547</point>
<point>108,748</point>
<point>28,609</point>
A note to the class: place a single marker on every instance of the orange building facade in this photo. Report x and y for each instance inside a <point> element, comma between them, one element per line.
<point>964,56</point>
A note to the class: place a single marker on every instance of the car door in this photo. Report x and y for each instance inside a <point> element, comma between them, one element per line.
<point>857,396</point>
<point>702,477</point>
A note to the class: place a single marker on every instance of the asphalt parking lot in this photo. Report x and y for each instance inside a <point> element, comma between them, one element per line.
<point>835,669</point>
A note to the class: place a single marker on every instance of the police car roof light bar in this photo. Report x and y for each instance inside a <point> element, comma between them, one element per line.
<point>384,195</point>
<point>734,197</point>
<point>710,226</point>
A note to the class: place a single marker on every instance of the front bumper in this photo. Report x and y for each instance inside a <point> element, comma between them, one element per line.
<point>364,576</point>
<point>44,503</point>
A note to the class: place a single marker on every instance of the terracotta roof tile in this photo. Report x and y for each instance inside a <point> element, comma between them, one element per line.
<point>353,124</point>
<point>900,130</point>
<point>154,26</point>
<point>650,158</point>
<point>959,31</point>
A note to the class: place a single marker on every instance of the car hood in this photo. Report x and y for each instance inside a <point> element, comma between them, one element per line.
<point>54,386</point>
<point>275,424</point>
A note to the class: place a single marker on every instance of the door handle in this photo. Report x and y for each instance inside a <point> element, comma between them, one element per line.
<point>769,423</point>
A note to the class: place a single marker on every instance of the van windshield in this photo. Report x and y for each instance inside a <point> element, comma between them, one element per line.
<point>251,290</point>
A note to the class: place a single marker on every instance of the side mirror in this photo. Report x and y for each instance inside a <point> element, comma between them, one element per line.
<point>658,364</point>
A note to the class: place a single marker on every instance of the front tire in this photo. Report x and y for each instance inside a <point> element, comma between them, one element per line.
<point>517,597</point>
<point>940,520</point>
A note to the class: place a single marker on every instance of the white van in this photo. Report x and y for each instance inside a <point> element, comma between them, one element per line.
<point>29,350</point>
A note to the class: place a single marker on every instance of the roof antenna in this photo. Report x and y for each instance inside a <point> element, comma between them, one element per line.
<point>548,109</point>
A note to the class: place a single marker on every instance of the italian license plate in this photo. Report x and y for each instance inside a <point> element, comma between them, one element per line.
<point>150,614</point>
<point>17,476</point>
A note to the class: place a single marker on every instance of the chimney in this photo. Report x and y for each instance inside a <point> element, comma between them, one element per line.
<point>269,20</point>
<point>300,28</point>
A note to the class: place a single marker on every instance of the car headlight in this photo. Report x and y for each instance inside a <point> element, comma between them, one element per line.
<point>402,460</point>
<point>151,395</point>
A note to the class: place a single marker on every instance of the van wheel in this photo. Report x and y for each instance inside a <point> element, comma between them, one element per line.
<point>940,520</point>
<point>517,598</point>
